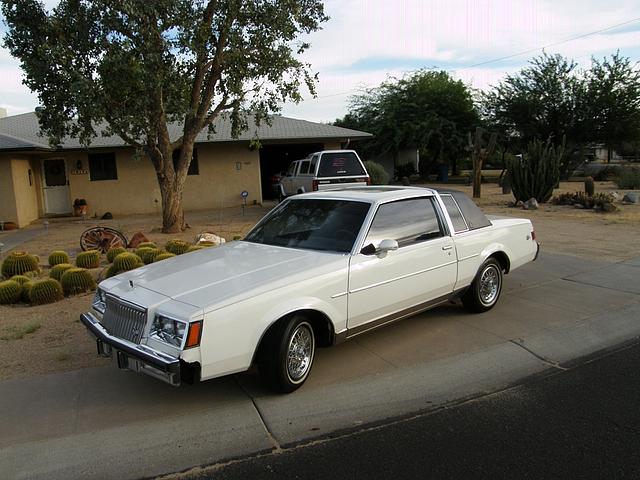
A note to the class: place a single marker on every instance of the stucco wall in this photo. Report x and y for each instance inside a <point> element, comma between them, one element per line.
<point>25,190</point>
<point>136,190</point>
<point>8,211</point>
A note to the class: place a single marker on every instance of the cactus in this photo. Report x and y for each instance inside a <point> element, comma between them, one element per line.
<point>193,248</point>
<point>127,261</point>
<point>110,272</point>
<point>164,256</point>
<point>88,259</point>
<point>589,186</point>
<point>57,257</point>
<point>21,279</point>
<point>147,245</point>
<point>57,271</point>
<point>537,172</point>
<point>177,247</point>
<point>44,291</point>
<point>77,280</point>
<point>149,254</point>
<point>10,292</point>
<point>205,244</point>
<point>114,252</point>
<point>18,263</point>
<point>26,290</point>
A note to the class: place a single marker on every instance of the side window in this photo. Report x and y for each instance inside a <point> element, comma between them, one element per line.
<point>291,169</point>
<point>304,167</point>
<point>459,225</point>
<point>314,164</point>
<point>406,221</point>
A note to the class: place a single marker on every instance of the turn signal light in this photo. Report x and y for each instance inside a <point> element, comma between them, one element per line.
<point>533,235</point>
<point>195,333</point>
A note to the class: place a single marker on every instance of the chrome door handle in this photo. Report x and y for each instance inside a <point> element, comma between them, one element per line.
<point>447,247</point>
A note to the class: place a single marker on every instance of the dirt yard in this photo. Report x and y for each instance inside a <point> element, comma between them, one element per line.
<point>50,338</point>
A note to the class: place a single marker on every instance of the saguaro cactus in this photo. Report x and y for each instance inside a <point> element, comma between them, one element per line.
<point>536,173</point>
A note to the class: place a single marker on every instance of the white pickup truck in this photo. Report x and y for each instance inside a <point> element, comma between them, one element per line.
<point>320,268</point>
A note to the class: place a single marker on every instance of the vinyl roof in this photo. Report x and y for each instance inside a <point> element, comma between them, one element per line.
<point>22,132</point>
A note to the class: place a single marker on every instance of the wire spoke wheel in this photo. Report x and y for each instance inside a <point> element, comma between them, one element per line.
<point>300,352</point>
<point>102,239</point>
<point>489,287</point>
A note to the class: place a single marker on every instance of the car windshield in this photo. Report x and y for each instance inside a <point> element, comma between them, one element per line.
<point>312,224</point>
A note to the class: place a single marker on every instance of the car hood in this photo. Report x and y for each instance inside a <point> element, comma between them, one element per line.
<point>214,277</point>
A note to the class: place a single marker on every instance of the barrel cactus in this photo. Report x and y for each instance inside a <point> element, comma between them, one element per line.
<point>57,257</point>
<point>164,256</point>
<point>26,291</point>
<point>193,248</point>
<point>18,263</point>
<point>177,247</point>
<point>57,271</point>
<point>10,292</point>
<point>147,254</point>
<point>88,259</point>
<point>147,245</point>
<point>21,279</point>
<point>127,261</point>
<point>114,252</point>
<point>77,280</point>
<point>110,272</point>
<point>44,291</point>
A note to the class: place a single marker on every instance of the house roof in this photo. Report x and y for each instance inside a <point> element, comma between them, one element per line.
<point>22,132</point>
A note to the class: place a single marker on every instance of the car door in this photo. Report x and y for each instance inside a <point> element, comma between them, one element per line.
<point>287,180</point>
<point>383,287</point>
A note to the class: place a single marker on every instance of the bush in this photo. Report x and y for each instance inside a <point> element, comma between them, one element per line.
<point>629,178</point>
<point>601,201</point>
<point>44,291</point>
<point>537,173</point>
<point>114,252</point>
<point>404,170</point>
<point>57,271</point>
<point>10,292</point>
<point>77,280</point>
<point>57,257</point>
<point>377,173</point>
<point>19,263</point>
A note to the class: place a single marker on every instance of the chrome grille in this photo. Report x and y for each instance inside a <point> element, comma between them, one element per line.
<point>124,320</point>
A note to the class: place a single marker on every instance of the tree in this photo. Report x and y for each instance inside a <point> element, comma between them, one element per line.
<point>135,67</point>
<point>427,110</point>
<point>613,90</point>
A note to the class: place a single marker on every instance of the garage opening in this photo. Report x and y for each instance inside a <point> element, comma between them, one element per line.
<point>274,159</point>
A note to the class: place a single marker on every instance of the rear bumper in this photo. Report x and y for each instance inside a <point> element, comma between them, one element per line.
<point>130,356</point>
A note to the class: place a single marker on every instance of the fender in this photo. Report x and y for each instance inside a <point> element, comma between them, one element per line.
<point>494,248</point>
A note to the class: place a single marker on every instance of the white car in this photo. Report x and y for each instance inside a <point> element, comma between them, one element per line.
<point>320,268</point>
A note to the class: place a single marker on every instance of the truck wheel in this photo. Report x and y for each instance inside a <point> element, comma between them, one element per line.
<point>484,291</point>
<point>287,358</point>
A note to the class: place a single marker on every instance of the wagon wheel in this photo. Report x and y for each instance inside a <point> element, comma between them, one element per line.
<point>102,239</point>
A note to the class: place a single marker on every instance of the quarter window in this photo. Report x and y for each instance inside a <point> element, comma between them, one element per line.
<point>102,166</point>
<point>406,221</point>
<point>304,167</point>
<point>459,225</point>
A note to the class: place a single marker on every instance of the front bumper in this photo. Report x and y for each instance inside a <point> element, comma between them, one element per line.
<point>129,356</point>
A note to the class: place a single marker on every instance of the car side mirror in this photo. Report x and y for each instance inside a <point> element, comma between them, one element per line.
<point>387,246</point>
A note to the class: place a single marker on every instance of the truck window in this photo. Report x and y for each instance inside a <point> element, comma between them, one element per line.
<point>304,167</point>
<point>340,165</point>
<point>291,169</point>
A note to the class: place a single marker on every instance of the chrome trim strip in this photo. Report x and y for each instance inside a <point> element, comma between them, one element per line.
<point>338,295</point>
<point>468,257</point>
<point>402,277</point>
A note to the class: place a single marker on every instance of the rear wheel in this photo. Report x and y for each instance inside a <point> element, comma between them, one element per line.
<point>484,291</point>
<point>288,353</point>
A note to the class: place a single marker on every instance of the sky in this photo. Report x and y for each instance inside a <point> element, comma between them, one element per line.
<point>367,41</point>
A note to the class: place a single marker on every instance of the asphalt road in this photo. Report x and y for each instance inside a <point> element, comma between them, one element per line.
<point>582,422</point>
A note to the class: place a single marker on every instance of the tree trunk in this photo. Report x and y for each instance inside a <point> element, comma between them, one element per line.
<point>172,212</point>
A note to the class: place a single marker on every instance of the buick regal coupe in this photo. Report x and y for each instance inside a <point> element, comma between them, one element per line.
<point>320,268</point>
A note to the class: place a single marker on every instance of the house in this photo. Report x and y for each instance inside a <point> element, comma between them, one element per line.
<point>37,180</point>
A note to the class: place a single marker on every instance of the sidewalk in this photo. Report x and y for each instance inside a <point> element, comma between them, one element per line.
<point>12,239</point>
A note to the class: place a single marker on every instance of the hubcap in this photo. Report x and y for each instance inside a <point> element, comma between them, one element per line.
<point>300,352</point>
<point>489,285</point>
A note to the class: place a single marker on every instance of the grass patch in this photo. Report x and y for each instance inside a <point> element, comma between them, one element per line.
<point>16,333</point>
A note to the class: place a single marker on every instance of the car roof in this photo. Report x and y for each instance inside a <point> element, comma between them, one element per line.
<point>370,194</point>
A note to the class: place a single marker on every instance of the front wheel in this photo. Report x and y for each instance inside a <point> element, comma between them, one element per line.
<point>484,291</point>
<point>288,355</point>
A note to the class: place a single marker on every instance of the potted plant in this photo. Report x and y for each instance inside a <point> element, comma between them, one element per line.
<point>80,207</point>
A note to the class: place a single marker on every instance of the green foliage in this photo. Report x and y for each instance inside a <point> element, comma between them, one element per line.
<point>147,245</point>
<point>164,256</point>
<point>19,331</point>
<point>629,178</point>
<point>126,261</point>
<point>113,252</point>
<point>537,173</point>
<point>18,263</point>
<point>427,110</point>
<point>10,291</point>
<point>136,66</point>
<point>177,247</point>
<point>88,259</point>
<point>44,291</point>
<point>378,174</point>
<point>58,256</point>
<point>147,254</point>
<point>599,201</point>
<point>57,271</point>
<point>77,280</point>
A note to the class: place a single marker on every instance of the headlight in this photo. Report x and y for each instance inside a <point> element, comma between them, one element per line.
<point>168,330</point>
<point>100,301</point>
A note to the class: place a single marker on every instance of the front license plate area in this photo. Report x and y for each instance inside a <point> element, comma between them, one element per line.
<point>104,349</point>
<point>122,359</point>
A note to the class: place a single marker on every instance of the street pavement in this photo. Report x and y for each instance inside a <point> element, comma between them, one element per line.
<point>105,423</point>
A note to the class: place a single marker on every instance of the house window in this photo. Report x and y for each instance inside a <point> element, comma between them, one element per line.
<point>102,166</point>
<point>194,168</point>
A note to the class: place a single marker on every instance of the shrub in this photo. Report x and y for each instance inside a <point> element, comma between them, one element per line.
<point>10,292</point>
<point>57,257</point>
<point>77,280</point>
<point>404,170</point>
<point>177,247</point>
<point>378,174</point>
<point>629,178</point>
<point>164,256</point>
<point>538,171</point>
<point>18,263</point>
<point>57,271</point>
<point>44,291</point>
<point>126,261</point>
<point>114,252</point>
<point>88,259</point>
<point>601,200</point>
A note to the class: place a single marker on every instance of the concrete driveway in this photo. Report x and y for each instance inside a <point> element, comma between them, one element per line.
<point>105,423</point>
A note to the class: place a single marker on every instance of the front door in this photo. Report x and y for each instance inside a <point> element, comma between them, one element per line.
<point>55,186</point>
